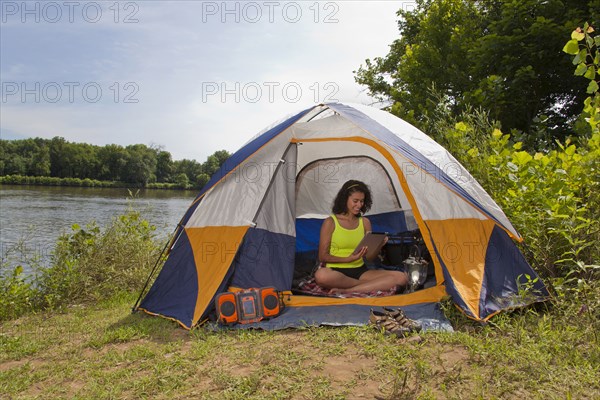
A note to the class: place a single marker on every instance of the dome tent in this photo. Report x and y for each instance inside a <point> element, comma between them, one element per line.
<point>265,205</point>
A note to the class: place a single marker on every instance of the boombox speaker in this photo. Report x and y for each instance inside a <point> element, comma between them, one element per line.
<point>249,305</point>
<point>227,308</point>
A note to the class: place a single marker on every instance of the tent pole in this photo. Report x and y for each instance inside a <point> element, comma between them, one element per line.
<point>137,302</point>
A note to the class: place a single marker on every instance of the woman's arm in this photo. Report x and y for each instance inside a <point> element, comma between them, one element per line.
<point>325,242</point>
<point>367,224</point>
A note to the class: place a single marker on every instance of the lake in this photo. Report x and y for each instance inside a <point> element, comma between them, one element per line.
<point>37,215</point>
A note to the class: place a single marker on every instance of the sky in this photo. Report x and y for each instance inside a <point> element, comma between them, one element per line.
<point>192,77</point>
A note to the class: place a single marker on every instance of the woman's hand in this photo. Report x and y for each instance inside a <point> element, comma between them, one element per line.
<point>358,255</point>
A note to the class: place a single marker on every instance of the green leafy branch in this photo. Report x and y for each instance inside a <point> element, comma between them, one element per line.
<point>584,47</point>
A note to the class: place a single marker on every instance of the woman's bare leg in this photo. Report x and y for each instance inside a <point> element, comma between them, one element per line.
<point>374,280</point>
<point>330,279</point>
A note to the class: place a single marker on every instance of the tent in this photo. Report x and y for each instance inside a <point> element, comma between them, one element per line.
<point>261,212</point>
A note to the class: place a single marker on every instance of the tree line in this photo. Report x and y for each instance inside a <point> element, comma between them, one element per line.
<point>137,164</point>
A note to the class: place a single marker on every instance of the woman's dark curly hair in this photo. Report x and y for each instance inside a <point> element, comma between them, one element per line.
<point>340,204</point>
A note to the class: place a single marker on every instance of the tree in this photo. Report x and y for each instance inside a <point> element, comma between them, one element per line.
<point>58,158</point>
<point>39,162</point>
<point>498,55</point>
<point>113,162</point>
<point>164,166</point>
<point>214,162</point>
<point>202,179</point>
<point>15,165</point>
<point>191,168</point>
<point>210,166</point>
<point>181,180</point>
<point>140,165</point>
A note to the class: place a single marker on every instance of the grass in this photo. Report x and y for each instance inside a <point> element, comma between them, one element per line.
<point>105,352</point>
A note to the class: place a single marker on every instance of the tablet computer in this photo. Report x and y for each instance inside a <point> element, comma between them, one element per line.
<point>374,243</point>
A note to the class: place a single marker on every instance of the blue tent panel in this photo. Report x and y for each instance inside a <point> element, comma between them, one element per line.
<point>307,234</point>
<point>175,290</point>
<point>264,259</point>
<point>308,231</point>
<point>505,269</point>
<point>391,222</point>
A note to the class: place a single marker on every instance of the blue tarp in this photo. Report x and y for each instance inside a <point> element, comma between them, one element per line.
<point>429,315</point>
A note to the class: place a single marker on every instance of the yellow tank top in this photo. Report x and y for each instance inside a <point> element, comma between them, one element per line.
<point>344,242</point>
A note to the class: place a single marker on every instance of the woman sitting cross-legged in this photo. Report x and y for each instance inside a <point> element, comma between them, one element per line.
<point>344,270</point>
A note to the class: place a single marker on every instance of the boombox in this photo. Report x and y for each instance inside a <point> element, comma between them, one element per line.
<point>247,306</point>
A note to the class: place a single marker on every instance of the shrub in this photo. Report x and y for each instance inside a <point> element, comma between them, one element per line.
<point>88,264</point>
<point>15,293</point>
<point>92,264</point>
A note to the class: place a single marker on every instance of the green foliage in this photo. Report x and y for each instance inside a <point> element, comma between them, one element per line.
<point>88,265</point>
<point>140,165</point>
<point>53,181</point>
<point>164,166</point>
<point>168,186</point>
<point>57,162</point>
<point>15,292</point>
<point>92,264</point>
<point>24,157</point>
<point>190,168</point>
<point>17,284</point>
<point>551,196</point>
<point>182,180</point>
<point>584,47</point>
<point>500,56</point>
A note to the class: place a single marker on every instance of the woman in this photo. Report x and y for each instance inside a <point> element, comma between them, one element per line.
<point>344,270</point>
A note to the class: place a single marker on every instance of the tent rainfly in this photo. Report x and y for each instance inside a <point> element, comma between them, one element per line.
<point>261,213</point>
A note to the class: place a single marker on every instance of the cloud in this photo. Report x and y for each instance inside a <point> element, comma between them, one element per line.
<point>195,77</point>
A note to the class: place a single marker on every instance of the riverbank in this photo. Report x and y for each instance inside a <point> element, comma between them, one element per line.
<point>103,351</point>
<point>77,182</point>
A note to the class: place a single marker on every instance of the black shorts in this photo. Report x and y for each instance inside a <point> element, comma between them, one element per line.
<point>354,273</point>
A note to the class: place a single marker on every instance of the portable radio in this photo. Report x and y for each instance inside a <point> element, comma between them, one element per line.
<point>248,306</point>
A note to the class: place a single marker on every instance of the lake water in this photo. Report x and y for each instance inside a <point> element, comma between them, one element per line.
<point>37,215</point>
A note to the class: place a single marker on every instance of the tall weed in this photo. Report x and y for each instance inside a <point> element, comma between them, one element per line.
<point>16,284</point>
<point>15,293</point>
